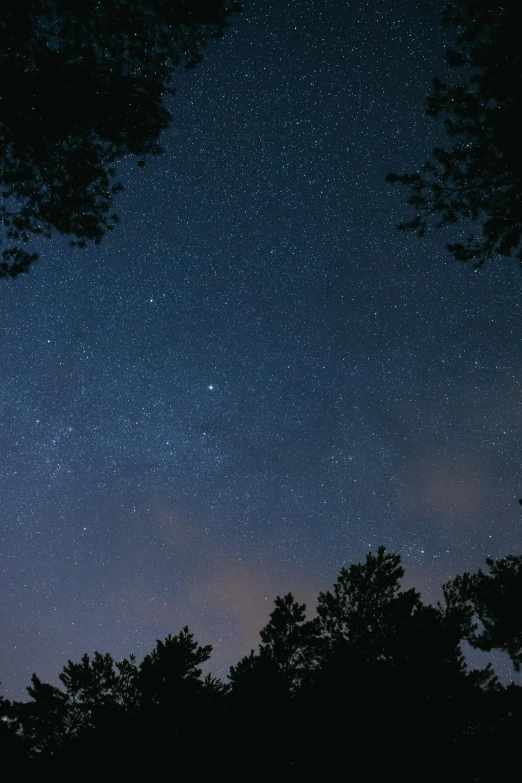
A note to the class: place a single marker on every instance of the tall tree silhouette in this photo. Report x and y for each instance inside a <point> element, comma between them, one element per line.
<point>179,706</point>
<point>264,684</point>
<point>365,604</point>
<point>84,84</point>
<point>478,176</point>
<point>396,662</point>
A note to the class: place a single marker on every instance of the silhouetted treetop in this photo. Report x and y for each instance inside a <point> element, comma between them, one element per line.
<point>83,84</point>
<point>365,598</point>
<point>290,639</point>
<point>287,653</point>
<point>478,176</point>
<point>173,667</point>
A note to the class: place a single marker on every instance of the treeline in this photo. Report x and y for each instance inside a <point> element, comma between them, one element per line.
<point>375,684</point>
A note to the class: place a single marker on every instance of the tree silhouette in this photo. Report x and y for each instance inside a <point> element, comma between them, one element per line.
<point>286,654</point>
<point>397,663</point>
<point>13,749</point>
<point>365,605</point>
<point>290,639</point>
<point>172,670</point>
<point>44,720</point>
<point>494,600</point>
<point>177,704</point>
<point>479,177</point>
<point>262,707</point>
<point>84,84</point>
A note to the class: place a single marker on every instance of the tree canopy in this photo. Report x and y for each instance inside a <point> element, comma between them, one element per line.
<point>478,175</point>
<point>84,84</point>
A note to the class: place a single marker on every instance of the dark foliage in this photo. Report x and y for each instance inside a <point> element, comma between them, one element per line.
<point>375,683</point>
<point>83,84</point>
<point>478,177</point>
<point>488,607</point>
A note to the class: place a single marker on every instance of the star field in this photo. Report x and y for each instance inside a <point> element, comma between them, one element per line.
<point>256,377</point>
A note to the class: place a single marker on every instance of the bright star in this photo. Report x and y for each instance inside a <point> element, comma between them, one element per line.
<point>210,387</point>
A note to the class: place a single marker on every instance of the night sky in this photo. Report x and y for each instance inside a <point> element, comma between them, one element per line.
<point>256,378</point>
